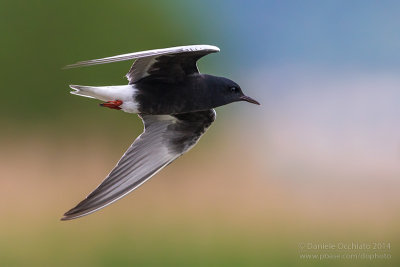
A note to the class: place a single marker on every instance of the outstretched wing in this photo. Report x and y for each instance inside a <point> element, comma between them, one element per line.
<point>174,62</point>
<point>164,139</point>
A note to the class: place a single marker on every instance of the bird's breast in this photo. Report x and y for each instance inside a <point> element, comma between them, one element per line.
<point>164,98</point>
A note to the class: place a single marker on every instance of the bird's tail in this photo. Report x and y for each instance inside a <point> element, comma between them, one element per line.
<point>86,91</point>
<point>104,93</point>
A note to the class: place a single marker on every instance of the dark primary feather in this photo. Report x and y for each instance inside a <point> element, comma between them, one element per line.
<point>164,139</point>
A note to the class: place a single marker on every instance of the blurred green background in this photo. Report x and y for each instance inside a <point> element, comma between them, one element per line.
<point>318,162</point>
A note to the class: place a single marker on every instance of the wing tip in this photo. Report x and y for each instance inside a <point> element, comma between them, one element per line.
<point>69,215</point>
<point>214,48</point>
<point>68,67</point>
<point>79,64</point>
<point>211,48</point>
<point>74,214</point>
<point>66,218</point>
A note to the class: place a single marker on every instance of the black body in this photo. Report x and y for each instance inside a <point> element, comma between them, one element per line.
<point>197,92</point>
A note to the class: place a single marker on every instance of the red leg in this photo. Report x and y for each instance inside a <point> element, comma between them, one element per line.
<point>112,104</point>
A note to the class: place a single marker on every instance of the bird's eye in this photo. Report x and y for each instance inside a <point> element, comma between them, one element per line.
<point>233,89</point>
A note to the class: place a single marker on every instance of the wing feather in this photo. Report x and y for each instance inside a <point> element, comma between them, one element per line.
<point>164,139</point>
<point>183,61</point>
<point>143,54</point>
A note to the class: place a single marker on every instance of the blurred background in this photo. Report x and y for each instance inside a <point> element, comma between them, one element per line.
<point>318,162</point>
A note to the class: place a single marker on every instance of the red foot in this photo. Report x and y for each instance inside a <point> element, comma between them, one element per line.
<point>112,104</point>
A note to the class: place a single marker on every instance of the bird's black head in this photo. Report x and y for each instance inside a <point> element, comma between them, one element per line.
<point>228,91</point>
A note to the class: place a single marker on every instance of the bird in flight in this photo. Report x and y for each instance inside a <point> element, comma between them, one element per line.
<point>176,104</point>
